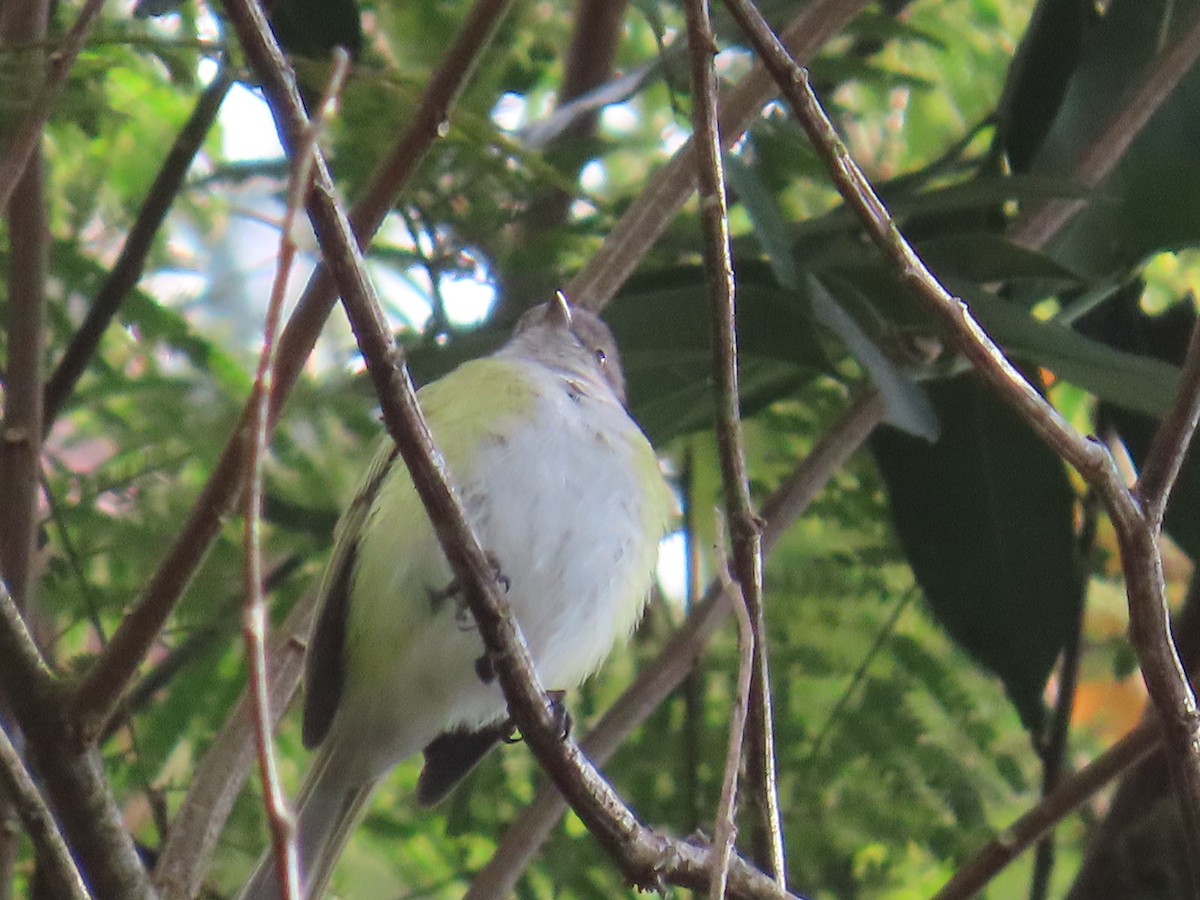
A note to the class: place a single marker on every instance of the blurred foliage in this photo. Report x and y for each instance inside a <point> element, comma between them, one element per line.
<point>896,648</point>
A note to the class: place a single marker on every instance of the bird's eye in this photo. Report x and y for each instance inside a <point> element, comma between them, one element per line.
<point>601,357</point>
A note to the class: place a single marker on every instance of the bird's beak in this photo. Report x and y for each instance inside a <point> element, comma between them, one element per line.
<point>559,311</point>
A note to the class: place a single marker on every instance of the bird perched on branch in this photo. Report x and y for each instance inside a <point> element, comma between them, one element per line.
<point>564,493</point>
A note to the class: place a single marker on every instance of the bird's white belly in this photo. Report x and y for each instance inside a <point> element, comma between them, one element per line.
<point>559,509</point>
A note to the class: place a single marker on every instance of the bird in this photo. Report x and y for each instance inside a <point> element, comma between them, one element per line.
<point>565,494</point>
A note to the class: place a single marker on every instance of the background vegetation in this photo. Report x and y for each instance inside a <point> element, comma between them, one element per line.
<point>946,624</point>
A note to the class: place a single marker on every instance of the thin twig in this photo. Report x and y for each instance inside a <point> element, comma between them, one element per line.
<point>73,780</point>
<point>1170,445</point>
<point>39,823</point>
<point>100,692</point>
<point>856,679</point>
<point>744,526</point>
<point>678,658</point>
<point>1140,556</point>
<point>28,242</point>
<point>220,775</point>
<point>29,135</point>
<point>20,450</point>
<point>1036,227</point>
<point>646,857</point>
<point>132,260</point>
<point>1071,793</point>
<point>725,829</point>
<point>655,208</point>
<point>279,818</point>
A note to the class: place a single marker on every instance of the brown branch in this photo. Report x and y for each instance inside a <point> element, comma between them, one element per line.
<point>221,774</point>
<point>28,240</point>
<point>1036,227</point>
<point>1140,557</point>
<point>20,431</point>
<point>655,208</point>
<point>100,692</point>
<point>1070,794</point>
<point>678,658</point>
<point>1170,445</point>
<point>29,134</point>
<point>595,36</point>
<point>745,528</point>
<point>646,857</point>
<point>132,260</point>
<point>73,779</point>
<point>20,451</point>
<point>281,823</point>
<point>725,828</point>
<point>52,852</point>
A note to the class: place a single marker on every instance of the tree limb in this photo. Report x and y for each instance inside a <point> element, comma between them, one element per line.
<point>1137,537</point>
<point>744,527</point>
<point>100,692</point>
<point>51,850</point>
<point>657,681</point>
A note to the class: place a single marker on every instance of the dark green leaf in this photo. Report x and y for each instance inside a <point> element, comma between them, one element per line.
<point>985,518</point>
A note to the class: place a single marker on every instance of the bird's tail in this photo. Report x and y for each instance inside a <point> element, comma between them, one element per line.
<point>327,810</point>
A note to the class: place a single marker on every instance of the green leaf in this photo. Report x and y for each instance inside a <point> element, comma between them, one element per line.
<point>985,517</point>
<point>1130,380</point>
<point>1131,215</point>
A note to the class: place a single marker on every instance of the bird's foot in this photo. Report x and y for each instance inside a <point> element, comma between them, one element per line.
<point>558,709</point>
<point>462,612</point>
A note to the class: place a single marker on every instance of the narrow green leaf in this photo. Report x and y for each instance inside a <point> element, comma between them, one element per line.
<point>985,517</point>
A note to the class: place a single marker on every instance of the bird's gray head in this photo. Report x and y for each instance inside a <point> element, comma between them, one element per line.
<point>572,339</point>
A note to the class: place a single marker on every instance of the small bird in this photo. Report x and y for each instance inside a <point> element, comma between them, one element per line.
<point>565,494</point>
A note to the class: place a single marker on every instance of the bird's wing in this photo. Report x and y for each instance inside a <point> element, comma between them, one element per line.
<point>325,664</point>
<point>480,398</point>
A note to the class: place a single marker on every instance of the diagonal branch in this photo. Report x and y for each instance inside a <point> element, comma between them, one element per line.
<point>1035,227</point>
<point>20,790</point>
<point>221,774</point>
<point>1137,538</point>
<point>1170,445</point>
<point>132,259</point>
<point>100,692</point>
<point>29,134</point>
<point>646,857</point>
<point>679,657</point>
<point>656,207</point>
<point>745,528</point>
<point>1071,793</point>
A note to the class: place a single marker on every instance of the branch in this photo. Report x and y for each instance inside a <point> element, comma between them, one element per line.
<point>725,828</point>
<point>1170,445</point>
<point>28,238</point>
<point>1069,795</point>
<point>222,773</point>
<point>647,858</point>
<point>132,259</point>
<point>52,852</point>
<point>498,879</point>
<point>72,779</point>
<point>20,451</point>
<point>102,688</point>
<point>1034,228</point>
<point>29,135</point>
<point>1140,557</point>
<point>745,529</point>
<point>655,208</point>
<point>279,816</point>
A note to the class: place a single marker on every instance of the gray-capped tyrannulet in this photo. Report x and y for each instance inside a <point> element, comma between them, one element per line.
<point>563,491</point>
